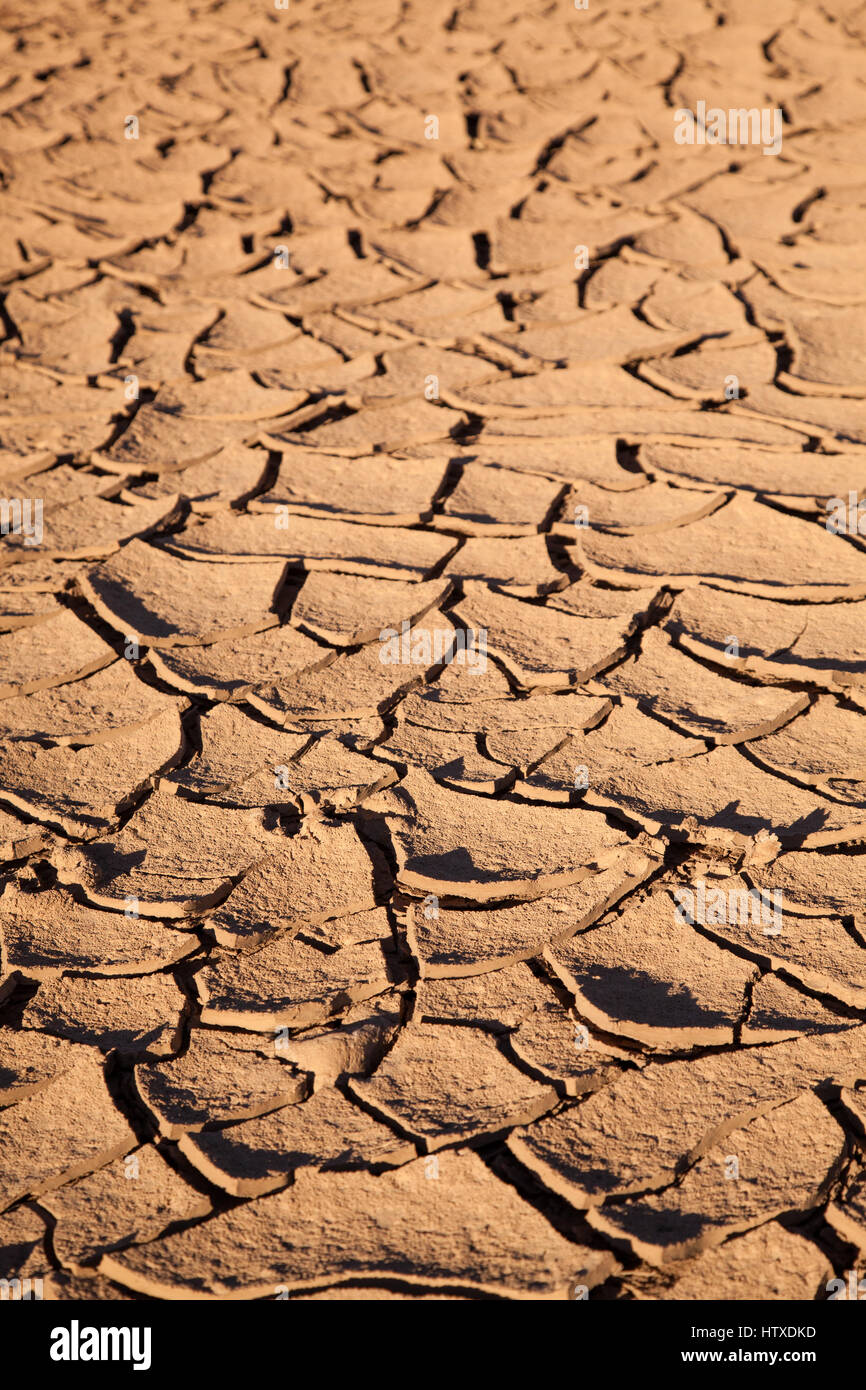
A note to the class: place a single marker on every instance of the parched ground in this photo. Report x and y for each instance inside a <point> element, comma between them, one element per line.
<point>433,652</point>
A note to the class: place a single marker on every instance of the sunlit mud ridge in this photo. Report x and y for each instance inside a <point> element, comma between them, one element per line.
<point>433,650</point>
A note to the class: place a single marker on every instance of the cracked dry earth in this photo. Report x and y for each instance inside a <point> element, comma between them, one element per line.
<point>333,968</point>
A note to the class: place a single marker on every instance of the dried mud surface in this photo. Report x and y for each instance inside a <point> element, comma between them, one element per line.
<point>331,968</point>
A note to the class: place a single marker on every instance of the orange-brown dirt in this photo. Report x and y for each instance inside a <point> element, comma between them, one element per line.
<point>433,649</point>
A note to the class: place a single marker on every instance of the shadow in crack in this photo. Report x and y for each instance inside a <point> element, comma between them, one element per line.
<point>631,996</point>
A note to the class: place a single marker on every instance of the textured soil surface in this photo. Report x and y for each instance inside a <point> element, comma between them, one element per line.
<point>433,650</point>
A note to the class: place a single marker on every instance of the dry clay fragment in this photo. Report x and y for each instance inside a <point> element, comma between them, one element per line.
<point>330,776</point>
<point>435,647</point>
<point>697,700</point>
<point>704,373</point>
<point>174,858</point>
<point>138,1015</point>
<point>90,710</point>
<point>497,1001</point>
<point>386,429</point>
<point>62,648</point>
<point>315,543</point>
<point>443,312</point>
<point>42,933</point>
<point>814,271</point>
<point>498,502</point>
<point>525,749</point>
<point>31,1061</point>
<point>38,580</point>
<point>159,439</point>
<point>347,610</point>
<point>687,239</point>
<point>309,365</point>
<point>638,423</point>
<point>234,748</point>
<point>544,646</point>
<point>259,907</point>
<point>618,281</point>
<point>449,1085</point>
<point>625,741</point>
<point>451,373</point>
<point>72,432</point>
<point>604,1146</point>
<point>824,747</point>
<point>83,790</point>
<point>745,546</point>
<point>586,600</point>
<point>13,465</point>
<point>591,349</point>
<point>451,942</point>
<point>399,492</point>
<point>721,798</point>
<point>573,460</point>
<point>562,392</point>
<point>23,608</point>
<point>87,1130</point>
<point>127,1202</point>
<point>816,950</point>
<point>227,478</point>
<point>162,341</point>
<point>17,839</point>
<point>782,1161</point>
<point>328,1227</point>
<point>521,566</point>
<point>779,1011</point>
<point>769,1263</point>
<point>243,763</point>
<point>229,670</point>
<point>777,641</point>
<point>157,596</point>
<point>828,354</point>
<point>261,1155</point>
<point>356,685</point>
<point>668,783</point>
<point>289,983</point>
<point>441,252</point>
<point>655,507</point>
<point>463,846</point>
<point>340,286</point>
<point>23,1257</point>
<point>821,885</point>
<point>805,475</point>
<point>61,489</point>
<point>449,705</point>
<point>232,395</point>
<point>465,693</point>
<point>557,1047</point>
<point>453,759</point>
<point>371,924</point>
<point>649,977</point>
<point>847,1212</point>
<point>93,528</point>
<point>351,1045</point>
<point>525,244</point>
<point>221,1076</point>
